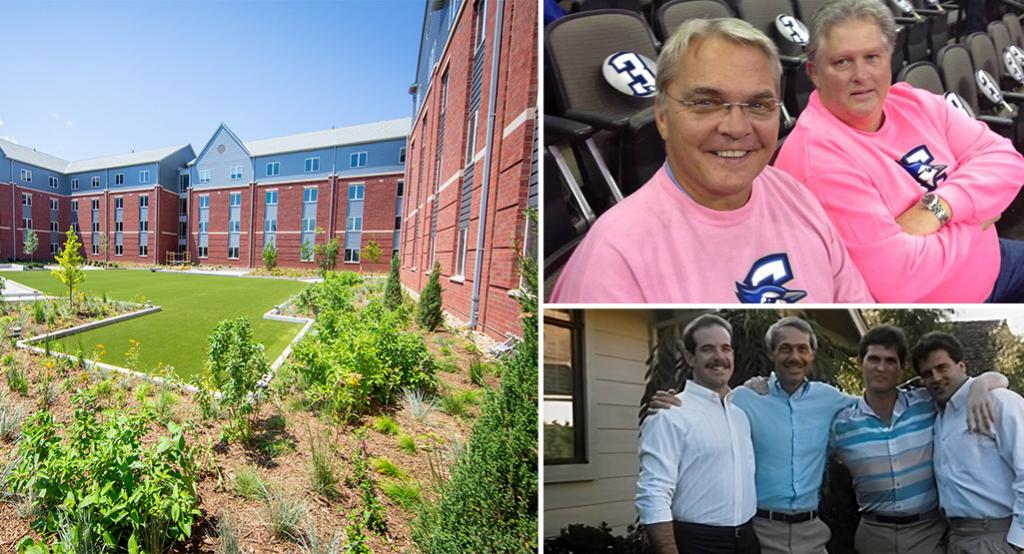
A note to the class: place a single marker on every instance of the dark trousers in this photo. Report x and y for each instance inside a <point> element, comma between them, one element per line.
<point>694,538</point>
<point>1009,287</point>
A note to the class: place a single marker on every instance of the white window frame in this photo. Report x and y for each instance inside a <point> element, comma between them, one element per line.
<point>54,204</point>
<point>26,199</point>
<point>74,184</point>
<point>118,202</point>
<point>236,173</point>
<point>119,178</point>
<point>360,189</point>
<point>312,165</point>
<point>54,182</point>
<point>143,249</point>
<point>144,201</point>
<point>96,182</point>
<point>401,155</point>
<point>26,175</point>
<point>480,13</point>
<point>461,252</point>
<point>266,198</point>
<point>315,195</point>
<point>143,176</point>
<point>53,226</point>
<point>231,199</point>
<point>204,175</point>
<point>471,128</point>
<point>354,223</point>
<point>273,169</point>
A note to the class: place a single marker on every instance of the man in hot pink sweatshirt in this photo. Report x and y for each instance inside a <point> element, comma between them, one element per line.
<point>715,224</point>
<point>912,185</point>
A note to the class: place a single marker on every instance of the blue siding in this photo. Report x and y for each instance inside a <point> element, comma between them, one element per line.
<point>219,164</point>
<point>170,166</point>
<point>131,176</point>
<point>85,180</point>
<point>380,157</point>
<point>40,178</point>
<point>5,168</point>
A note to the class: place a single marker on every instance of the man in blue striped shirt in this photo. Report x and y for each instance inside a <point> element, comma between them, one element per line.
<point>885,440</point>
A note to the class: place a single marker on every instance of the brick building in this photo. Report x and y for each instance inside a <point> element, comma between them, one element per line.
<point>472,150</point>
<point>222,206</point>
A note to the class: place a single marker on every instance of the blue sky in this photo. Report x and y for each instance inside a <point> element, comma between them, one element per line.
<point>87,79</point>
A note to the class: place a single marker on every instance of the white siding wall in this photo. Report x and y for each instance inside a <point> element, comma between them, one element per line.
<point>616,346</point>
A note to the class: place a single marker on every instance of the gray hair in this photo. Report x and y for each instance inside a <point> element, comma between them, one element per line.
<point>731,29</point>
<point>840,11</point>
<point>796,323</point>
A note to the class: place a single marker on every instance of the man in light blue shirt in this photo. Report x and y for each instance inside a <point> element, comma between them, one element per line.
<point>980,475</point>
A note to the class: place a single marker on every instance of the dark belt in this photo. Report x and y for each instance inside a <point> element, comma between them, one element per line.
<point>899,520</point>
<point>740,531</point>
<point>786,517</point>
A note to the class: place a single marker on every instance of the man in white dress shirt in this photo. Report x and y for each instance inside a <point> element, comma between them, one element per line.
<point>980,475</point>
<point>696,488</point>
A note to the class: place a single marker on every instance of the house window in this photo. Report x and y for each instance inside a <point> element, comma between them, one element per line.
<point>401,155</point>
<point>26,175</point>
<point>461,248</point>
<point>119,249</point>
<point>204,201</point>
<point>119,202</point>
<point>53,248</point>
<point>312,165</point>
<point>271,197</point>
<point>119,178</point>
<point>53,226</point>
<point>236,172</point>
<point>118,226</point>
<point>74,184</point>
<point>26,199</point>
<point>54,204</point>
<point>232,252</point>
<point>354,224</point>
<point>356,192</point>
<point>183,181</point>
<point>309,196</point>
<point>144,201</point>
<point>352,255</point>
<point>564,426</point>
<point>144,176</point>
<point>143,249</point>
<point>204,251</point>
<point>357,159</point>
<point>479,16</point>
<point>235,199</point>
<point>95,182</point>
<point>53,182</point>
<point>471,137</point>
<point>26,222</point>
<point>204,176</point>
<point>401,189</point>
<point>273,168</point>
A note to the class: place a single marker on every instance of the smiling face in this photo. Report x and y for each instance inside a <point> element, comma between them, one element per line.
<point>712,358</point>
<point>716,158</point>
<point>793,357</point>
<point>941,375</point>
<point>880,368</point>
<point>852,71</point>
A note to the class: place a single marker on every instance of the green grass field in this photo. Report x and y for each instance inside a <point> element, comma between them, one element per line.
<point>192,305</point>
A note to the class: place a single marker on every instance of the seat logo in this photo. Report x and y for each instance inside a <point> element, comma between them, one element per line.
<point>792,29</point>
<point>918,163</point>
<point>630,73</point>
<point>765,280</point>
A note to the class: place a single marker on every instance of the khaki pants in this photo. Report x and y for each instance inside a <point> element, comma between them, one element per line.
<point>779,537</point>
<point>920,537</point>
<point>979,536</point>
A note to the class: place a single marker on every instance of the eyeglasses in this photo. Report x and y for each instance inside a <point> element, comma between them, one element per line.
<point>709,107</point>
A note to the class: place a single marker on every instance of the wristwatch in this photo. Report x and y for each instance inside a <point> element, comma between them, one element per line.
<point>932,203</point>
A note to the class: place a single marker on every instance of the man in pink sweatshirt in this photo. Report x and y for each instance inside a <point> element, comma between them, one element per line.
<point>912,185</point>
<point>715,224</point>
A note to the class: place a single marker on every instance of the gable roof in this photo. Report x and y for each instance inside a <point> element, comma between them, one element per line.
<point>121,160</point>
<point>28,155</point>
<point>209,143</point>
<point>342,136</point>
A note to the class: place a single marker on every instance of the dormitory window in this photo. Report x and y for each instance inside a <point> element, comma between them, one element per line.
<point>352,255</point>
<point>471,137</point>
<point>144,176</point>
<point>461,249</point>
<point>26,199</point>
<point>143,249</point>
<point>53,226</point>
<point>204,176</point>
<point>564,427</point>
<point>26,175</point>
<point>312,165</point>
<point>270,218</point>
<point>54,204</point>
<point>232,252</point>
<point>236,172</point>
<point>309,196</point>
<point>74,184</point>
<point>144,201</point>
<point>204,225</point>
<point>354,224</point>
<point>358,159</point>
<point>53,182</point>
<point>273,168</point>
<point>118,202</point>
<point>119,226</point>
<point>479,15</point>
<point>119,178</point>
<point>355,192</point>
<point>53,248</point>
<point>26,222</point>
<point>235,199</point>
<point>401,155</point>
<point>95,182</point>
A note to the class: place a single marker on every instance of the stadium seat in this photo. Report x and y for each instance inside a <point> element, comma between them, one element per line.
<point>577,46</point>
<point>984,56</point>
<point>1016,33</point>
<point>672,14</point>
<point>917,33</point>
<point>797,85</point>
<point>957,69</point>
<point>923,75</point>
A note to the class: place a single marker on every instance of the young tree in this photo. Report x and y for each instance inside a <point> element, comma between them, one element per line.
<point>31,243</point>
<point>327,255</point>
<point>372,253</point>
<point>270,256</point>
<point>104,241</point>
<point>236,365</point>
<point>69,269</point>
<point>393,288</point>
<point>428,311</point>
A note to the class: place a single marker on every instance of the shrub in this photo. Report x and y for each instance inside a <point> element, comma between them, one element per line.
<point>249,485</point>
<point>407,444</point>
<point>385,424</point>
<point>583,538</point>
<point>236,366</point>
<point>139,495</point>
<point>477,372</point>
<point>270,256</point>
<point>327,255</point>
<point>490,502</point>
<point>393,289</point>
<point>457,403</point>
<point>428,311</point>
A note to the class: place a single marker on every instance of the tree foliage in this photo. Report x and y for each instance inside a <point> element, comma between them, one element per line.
<point>372,253</point>
<point>393,288</point>
<point>69,270</point>
<point>428,311</point>
<point>31,243</point>
<point>270,256</point>
<point>236,366</point>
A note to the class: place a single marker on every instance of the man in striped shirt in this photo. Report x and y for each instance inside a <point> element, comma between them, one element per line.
<point>885,440</point>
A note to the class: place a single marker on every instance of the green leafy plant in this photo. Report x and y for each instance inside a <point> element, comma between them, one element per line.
<point>326,253</point>
<point>270,256</point>
<point>17,378</point>
<point>248,484</point>
<point>386,467</point>
<point>324,477</point>
<point>373,511</point>
<point>404,492</point>
<point>228,535</point>
<point>236,365</point>
<point>393,288</point>
<point>478,371</point>
<point>428,311</point>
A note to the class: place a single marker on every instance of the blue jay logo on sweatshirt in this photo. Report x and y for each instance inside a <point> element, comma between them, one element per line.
<point>918,163</point>
<point>765,280</point>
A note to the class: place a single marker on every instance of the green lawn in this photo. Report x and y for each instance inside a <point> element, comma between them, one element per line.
<point>192,305</point>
